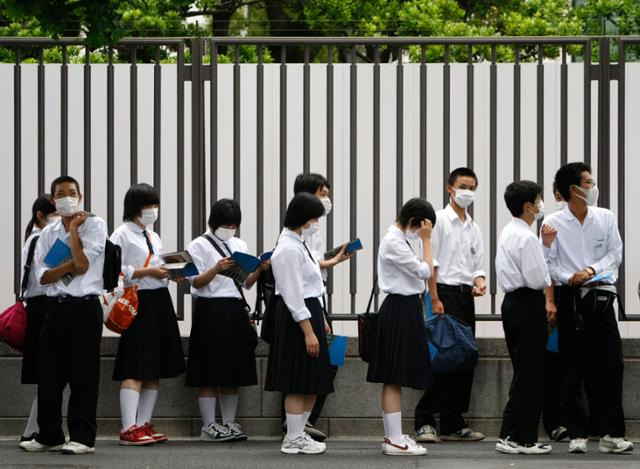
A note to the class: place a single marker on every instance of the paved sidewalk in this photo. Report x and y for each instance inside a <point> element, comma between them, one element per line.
<point>340,454</point>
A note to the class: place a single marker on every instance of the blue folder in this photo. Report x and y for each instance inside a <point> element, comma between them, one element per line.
<point>58,253</point>
<point>337,349</point>
<point>552,342</point>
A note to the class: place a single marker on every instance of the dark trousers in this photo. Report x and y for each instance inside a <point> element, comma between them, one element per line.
<point>451,392</point>
<point>69,353</point>
<point>552,411</point>
<point>591,350</point>
<point>525,329</point>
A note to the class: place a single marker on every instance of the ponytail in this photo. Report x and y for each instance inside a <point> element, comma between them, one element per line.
<point>43,204</point>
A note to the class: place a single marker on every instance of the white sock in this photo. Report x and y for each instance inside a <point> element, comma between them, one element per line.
<point>295,426</point>
<point>32,423</point>
<point>228,407</point>
<point>207,410</point>
<point>129,399</point>
<point>392,425</point>
<point>306,416</point>
<point>145,407</point>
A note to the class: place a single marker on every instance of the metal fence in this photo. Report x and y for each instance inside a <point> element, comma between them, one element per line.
<point>195,70</point>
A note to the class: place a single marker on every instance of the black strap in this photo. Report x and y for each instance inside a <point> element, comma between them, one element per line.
<point>27,266</point>
<point>313,259</point>
<point>373,291</point>
<point>238,286</point>
<point>148,240</point>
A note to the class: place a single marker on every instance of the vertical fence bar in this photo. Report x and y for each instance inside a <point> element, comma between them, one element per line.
<point>213,123</point>
<point>157,131</point>
<point>17,172</point>
<point>306,164</point>
<point>399,131</point>
<point>517,133</point>
<point>110,142</point>
<point>283,134</point>
<point>604,130</point>
<point>376,168</point>
<point>540,120</point>
<point>353,171</point>
<point>330,165</point>
<point>64,114</point>
<point>587,102</point>
<point>622,206</point>
<point>237,127</point>
<point>423,122</point>
<point>446,123</point>
<point>182,287</point>
<point>197,154</point>
<point>260,150</point>
<point>470,109</point>
<point>564,85</point>
<point>133,119</point>
<point>493,175</point>
<point>41,122</point>
<point>87,130</point>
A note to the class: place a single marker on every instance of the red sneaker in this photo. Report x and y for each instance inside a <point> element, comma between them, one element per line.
<point>148,429</point>
<point>135,436</point>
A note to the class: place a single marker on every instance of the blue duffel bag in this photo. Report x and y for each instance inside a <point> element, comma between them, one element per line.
<point>452,346</point>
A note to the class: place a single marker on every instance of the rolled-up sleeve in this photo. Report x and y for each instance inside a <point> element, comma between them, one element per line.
<point>534,266</point>
<point>94,238</point>
<point>404,257</point>
<point>288,274</point>
<point>478,257</point>
<point>127,270</point>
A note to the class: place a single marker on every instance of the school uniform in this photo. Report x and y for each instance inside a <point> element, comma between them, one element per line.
<point>35,297</point>
<point>299,286</point>
<point>588,335</point>
<point>70,339</point>
<point>150,348</point>
<point>522,274</point>
<point>401,356</point>
<point>221,351</point>
<point>458,252</point>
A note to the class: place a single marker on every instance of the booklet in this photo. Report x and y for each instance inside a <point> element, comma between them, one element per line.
<point>337,349</point>
<point>601,276</point>
<point>265,256</point>
<point>552,343</point>
<point>352,246</point>
<point>244,264</point>
<point>59,253</point>
<point>180,264</point>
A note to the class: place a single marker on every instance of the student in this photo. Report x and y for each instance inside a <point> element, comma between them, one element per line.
<point>70,339</point>
<point>298,363</point>
<point>589,340</point>
<point>221,349</point>
<point>401,357</point>
<point>43,213</point>
<point>459,277</point>
<point>150,349</point>
<point>522,275</point>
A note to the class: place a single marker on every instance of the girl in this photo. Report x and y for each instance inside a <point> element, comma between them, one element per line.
<point>298,363</point>
<point>150,349</point>
<point>43,212</point>
<point>401,357</point>
<point>221,344</point>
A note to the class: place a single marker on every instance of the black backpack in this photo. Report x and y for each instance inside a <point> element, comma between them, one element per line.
<point>112,265</point>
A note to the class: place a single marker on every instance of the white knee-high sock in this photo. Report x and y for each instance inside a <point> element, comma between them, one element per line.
<point>306,414</point>
<point>145,407</point>
<point>392,425</point>
<point>228,407</point>
<point>129,399</point>
<point>207,410</point>
<point>32,423</point>
<point>295,426</point>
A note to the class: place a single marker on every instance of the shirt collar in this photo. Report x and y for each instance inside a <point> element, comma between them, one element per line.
<point>568,214</point>
<point>397,232</point>
<point>293,235</point>
<point>453,216</point>
<point>520,222</point>
<point>133,227</point>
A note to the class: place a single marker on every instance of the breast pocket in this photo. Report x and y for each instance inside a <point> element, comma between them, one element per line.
<point>599,248</point>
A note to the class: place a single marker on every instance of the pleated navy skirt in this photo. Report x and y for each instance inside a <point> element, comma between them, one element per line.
<point>401,356</point>
<point>36,312</point>
<point>221,345</point>
<point>151,348</point>
<point>290,369</point>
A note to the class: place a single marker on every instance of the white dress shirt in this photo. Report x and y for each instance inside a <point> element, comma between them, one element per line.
<point>458,250</point>
<point>520,261</point>
<point>131,239</point>
<point>400,271</point>
<point>93,235</point>
<point>297,274</point>
<point>34,288</point>
<point>316,245</point>
<point>205,256</point>
<point>596,243</point>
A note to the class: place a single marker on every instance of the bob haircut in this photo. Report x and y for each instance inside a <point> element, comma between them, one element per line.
<point>137,197</point>
<point>224,212</point>
<point>302,208</point>
<point>310,183</point>
<point>414,211</point>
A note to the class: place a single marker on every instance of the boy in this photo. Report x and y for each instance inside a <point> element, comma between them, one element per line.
<point>70,340</point>
<point>523,274</point>
<point>458,255</point>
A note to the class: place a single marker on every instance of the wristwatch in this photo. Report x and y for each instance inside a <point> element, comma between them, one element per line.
<point>591,271</point>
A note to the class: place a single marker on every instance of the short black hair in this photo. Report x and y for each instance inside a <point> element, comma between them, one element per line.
<point>60,180</point>
<point>554,187</point>
<point>310,183</point>
<point>458,172</point>
<point>225,212</point>
<point>43,204</point>
<point>569,175</point>
<point>302,208</point>
<point>137,197</point>
<point>520,192</point>
<point>414,211</point>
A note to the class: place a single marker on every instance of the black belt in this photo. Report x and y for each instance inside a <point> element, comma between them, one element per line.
<point>455,288</point>
<point>73,299</point>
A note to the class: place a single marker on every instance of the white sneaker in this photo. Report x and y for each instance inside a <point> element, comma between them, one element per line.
<point>237,432</point>
<point>216,433</point>
<point>35,447</point>
<point>427,434</point>
<point>608,444</point>
<point>320,444</point>
<point>507,446</point>
<point>73,447</point>
<point>403,446</point>
<point>466,434</point>
<point>303,444</point>
<point>578,446</point>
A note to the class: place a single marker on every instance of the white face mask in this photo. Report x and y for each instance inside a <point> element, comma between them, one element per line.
<point>148,216</point>
<point>313,229</point>
<point>540,214</point>
<point>67,206</point>
<point>52,219</point>
<point>225,234</point>
<point>561,205</point>
<point>326,202</point>
<point>590,196</point>
<point>464,197</point>
<point>412,234</point>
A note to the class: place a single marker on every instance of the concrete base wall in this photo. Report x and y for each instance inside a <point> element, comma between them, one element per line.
<point>352,411</point>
